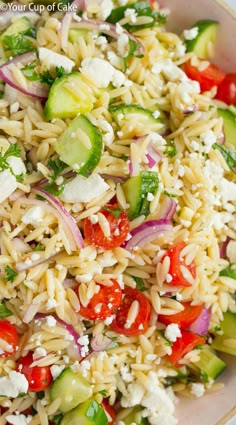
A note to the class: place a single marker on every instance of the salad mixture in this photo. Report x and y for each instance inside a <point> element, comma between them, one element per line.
<point>117,206</point>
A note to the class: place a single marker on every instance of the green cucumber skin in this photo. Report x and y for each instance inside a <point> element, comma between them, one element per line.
<point>72,388</point>
<point>210,363</point>
<point>136,189</point>
<point>20,26</point>
<point>61,103</point>
<point>132,417</point>
<point>115,110</point>
<point>74,34</point>
<point>198,45</point>
<point>72,152</point>
<point>228,326</point>
<point>87,413</point>
<point>229,120</point>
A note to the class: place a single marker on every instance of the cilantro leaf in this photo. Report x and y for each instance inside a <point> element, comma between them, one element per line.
<point>10,274</point>
<point>170,149</point>
<point>17,44</point>
<point>228,272</point>
<point>229,156</point>
<point>4,311</point>
<point>140,284</point>
<point>30,73</point>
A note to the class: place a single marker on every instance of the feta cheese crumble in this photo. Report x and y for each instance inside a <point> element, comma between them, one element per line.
<point>82,189</point>
<point>197,389</point>
<point>172,332</point>
<point>52,60</point>
<point>191,33</point>
<point>13,385</point>
<point>101,72</point>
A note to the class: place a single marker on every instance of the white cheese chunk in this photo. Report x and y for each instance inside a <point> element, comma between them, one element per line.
<point>82,189</point>
<point>17,165</point>
<point>172,332</point>
<point>197,389</point>
<point>13,385</point>
<point>106,7</point>
<point>18,419</point>
<point>8,185</point>
<point>191,33</point>
<point>33,216</point>
<point>56,370</point>
<point>51,59</point>
<point>101,72</point>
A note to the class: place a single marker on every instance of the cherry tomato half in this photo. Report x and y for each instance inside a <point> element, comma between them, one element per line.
<point>110,411</point>
<point>119,229</point>
<point>176,262</point>
<point>185,317</point>
<point>9,335</point>
<point>208,78</point>
<point>140,324</point>
<point>227,90</point>
<point>187,342</point>
<point>38,378</point>
<point>104,303</point>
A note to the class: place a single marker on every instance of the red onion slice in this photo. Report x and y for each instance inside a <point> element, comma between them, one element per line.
<point>100,342</point>
<point>201,324</point>
<point>108,29</point>
<point>69,328</point>
<point>223,248</point>
<point>34,89</point>
<point>69,225</point>
<point>147,232</point>
<point>167,208</point>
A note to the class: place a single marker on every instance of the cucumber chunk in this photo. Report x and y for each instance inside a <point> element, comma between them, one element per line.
<point>226,342</point>
<point>74,34</point>
<point>20,26</point>
<point>134,417</point>
<point>88,413</point>
<point>229,120</point>
<point>210,364</point>
<point>202,44</point>
<point>135,119</point>
<point>136,190</point>
<point>71,388</point>
<point>80,146</point>
<point>63,102</point>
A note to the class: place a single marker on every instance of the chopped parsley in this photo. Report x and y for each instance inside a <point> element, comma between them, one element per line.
<point>13,150</point>
<point>114,211</point>
<point>170,149</point>
<point>48,77</point>
<point>30,73</point>
<point>140,284</point>
<point>4,311</point>
<point>39,247</point>
<point>171,195</point>
<point>17,44</point>
<point>229,155</point>
<point>57,166</point>
<point>228,272</point>
<point>204,376</point>
<point>103,393</point>
<point>10,274</point>
<point>133,47</point>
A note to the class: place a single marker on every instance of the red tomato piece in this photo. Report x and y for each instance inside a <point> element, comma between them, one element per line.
<point>176,261</point>
<point>226,91</point>
<point>119,229</point>
<point>208,78</point>
<point>38,378</point>
<point>9,335</point>
<point>109,410</point>
<point>142,319</point>
<point>185,317</point>
<point>104,303</point>
<point>187,342</point>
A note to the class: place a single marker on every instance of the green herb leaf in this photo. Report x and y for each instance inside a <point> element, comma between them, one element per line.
<point>40,395</point>
<point>4,311</point>
<point>140,284</point>
<point>57,167</point>
<point>114,211</point>
<point>103,393</point>
<point>133,47</point>
<point>30,73</point>
<point>13,150</point>
<point>170,149</point>
<point>39,247</point>
<point>17,44</point>
<point>217,329</point>
<point>48,77</point>
<point>1,94</point>
<point>229,272</point>
<point>142,9</point>
<point>171,195</point>
<point>204,376</point>
<point>10,274</point>
<point>57,419</point>
<point>229,156</point>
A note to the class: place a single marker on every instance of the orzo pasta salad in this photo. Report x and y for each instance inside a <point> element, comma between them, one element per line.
<point>117,207</point>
